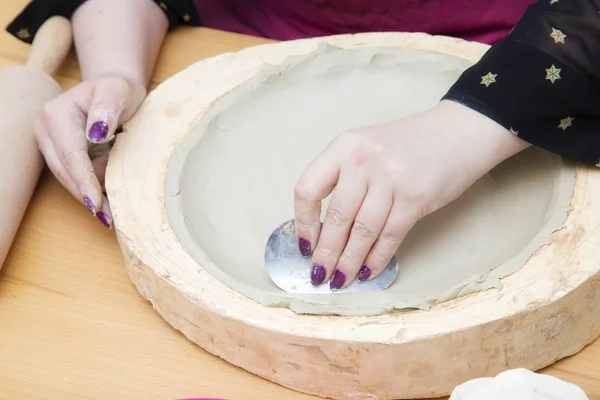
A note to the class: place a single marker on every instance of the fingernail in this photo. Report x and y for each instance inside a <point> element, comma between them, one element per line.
<point>304,247</point>
<point>338,280</point>
<point>98,132</point>
<point>104,219</point>
<point>317,275</point>
<point>364,273</point>
<point>89,204</point>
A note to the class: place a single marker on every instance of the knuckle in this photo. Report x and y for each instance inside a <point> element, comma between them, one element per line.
<point>302,226</point>
<point>51,106</point>
<point>379,260</point>
<point>361,148</point>
<point>70,157</point>
<point>303,192</point>
<point>350,139</point>
<point>362,230</point>
<point>324,253</point>
<point>348,142</point>
<point>49,110</point>
<point>393,166</point>
<point>372,147</point>
<point>66,156</point>
<point>417,195</point>
<point>390,239</point>
<point>348,257</point>
<point>336,216</point>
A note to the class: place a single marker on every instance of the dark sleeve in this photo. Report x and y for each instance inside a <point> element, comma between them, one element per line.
<point>543,81</point>
<point>26,24</point>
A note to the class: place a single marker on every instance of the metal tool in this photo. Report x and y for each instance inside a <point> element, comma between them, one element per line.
<point>290,271</point>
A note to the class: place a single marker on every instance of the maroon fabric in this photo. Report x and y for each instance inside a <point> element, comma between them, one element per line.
<point>485,21</point>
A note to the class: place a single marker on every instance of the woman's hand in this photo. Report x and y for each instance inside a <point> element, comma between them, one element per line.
<point>386,178</point>
<point>88,113</point>
<point>116,57</point>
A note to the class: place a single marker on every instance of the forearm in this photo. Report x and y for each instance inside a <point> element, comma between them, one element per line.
<point>480,142</point>
<point>542,80</point>
<point>118,38</point>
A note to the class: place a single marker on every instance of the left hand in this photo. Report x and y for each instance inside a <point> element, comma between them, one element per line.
<point>387,177</point>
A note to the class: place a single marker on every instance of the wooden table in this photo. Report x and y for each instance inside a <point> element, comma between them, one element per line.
<point>72,326</point>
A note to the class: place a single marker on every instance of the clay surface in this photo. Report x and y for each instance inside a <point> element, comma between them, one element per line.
<point>230,183</point>
<point>518,384</point>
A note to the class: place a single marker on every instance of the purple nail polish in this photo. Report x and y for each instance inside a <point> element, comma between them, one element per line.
<point>364,273</point>
<point>98,132</point>
<point>89,204</point>
<point>304,246</point>
<point>104,219</point>
<point>338,280</point>
<point>317,275</point>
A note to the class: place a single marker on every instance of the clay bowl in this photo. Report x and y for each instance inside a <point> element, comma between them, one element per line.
<point>205,171</point>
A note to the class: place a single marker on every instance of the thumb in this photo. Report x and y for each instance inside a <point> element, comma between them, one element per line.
<point>114,100</point>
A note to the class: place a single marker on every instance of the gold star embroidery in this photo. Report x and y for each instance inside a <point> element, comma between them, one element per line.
<point>163,5</point>
<point>488,79</point>
<point>186,17</point>
<point>553,73</point>
<point>23,34</point>
<point>565,123</point>
<point>516,133</point>
<point>558,36</point>
<point>553,1</point>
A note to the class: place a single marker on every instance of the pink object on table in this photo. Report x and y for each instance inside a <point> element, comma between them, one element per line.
<point>486,21</point>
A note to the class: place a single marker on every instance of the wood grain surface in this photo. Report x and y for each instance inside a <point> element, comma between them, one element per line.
<point>72,326</point>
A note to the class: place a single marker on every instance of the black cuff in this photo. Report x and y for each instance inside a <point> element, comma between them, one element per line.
<point>543,101</point>
<point>27,23</point>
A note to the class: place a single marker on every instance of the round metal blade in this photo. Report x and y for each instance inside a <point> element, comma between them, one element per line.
<point>290,271</point>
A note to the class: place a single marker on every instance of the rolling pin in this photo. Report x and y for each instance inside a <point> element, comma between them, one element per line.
<point>23,92</point>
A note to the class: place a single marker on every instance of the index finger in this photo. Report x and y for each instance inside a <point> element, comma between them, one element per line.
<point>66,131</point>
<point>316,183</point>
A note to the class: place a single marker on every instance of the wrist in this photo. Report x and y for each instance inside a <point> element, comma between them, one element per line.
<point>485,141</point>
<point>109,44</point>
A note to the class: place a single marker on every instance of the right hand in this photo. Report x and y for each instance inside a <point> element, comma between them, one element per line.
<point>88,113</point>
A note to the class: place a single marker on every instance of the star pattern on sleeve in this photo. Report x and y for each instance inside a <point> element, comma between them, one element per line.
<point>553,73</point>
<point>565,123</point>
<point>542,82</point>
<point>558,36</point>
<point>26,24</point>
<point>23,34</point>
<point>488,79</point>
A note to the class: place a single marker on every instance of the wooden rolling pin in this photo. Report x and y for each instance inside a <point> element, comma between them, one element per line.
<point>23,92</point>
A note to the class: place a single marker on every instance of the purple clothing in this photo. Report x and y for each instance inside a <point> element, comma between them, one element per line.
<point>485,21</point>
